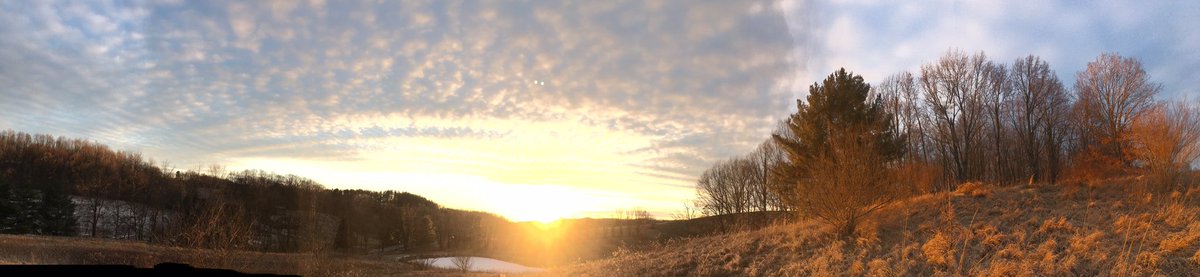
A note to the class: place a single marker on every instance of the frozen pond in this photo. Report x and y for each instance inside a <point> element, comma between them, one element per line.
<point>481,264</point>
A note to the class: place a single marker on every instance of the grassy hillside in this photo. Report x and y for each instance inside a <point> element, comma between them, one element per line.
<point>709,225</point>
<point>1109,229</point>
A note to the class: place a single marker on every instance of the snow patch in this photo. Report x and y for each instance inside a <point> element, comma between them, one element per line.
<point>481,264</point>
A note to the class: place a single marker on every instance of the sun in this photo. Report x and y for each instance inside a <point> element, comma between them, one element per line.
<point>536,214</point>
<point>544,204</point>
<point>537,210</point>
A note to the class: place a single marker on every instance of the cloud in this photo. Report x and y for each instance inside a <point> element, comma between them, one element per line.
<point>207,82</point>
<point>649,92</point>
<point>879,38</point>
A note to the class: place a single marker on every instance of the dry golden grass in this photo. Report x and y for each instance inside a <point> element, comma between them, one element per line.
<point>1070,230</point>
<point>1181,240</point>
<point>937,250</point>
<point>973,189</point>
<point>21,249</point>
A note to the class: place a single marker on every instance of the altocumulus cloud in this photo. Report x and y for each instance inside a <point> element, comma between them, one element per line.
<point>611,96</point>
<point>679,83</point>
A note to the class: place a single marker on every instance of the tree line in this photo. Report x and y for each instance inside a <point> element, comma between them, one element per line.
<point>70,187</point>
<point>851,147</point>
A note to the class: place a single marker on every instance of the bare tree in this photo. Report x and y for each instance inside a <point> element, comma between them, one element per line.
<point>766,158</point>
<point>1113,91</point>
<point>1038,103</point>
<point>784,172</point>
<point>902,99</point>
<point>690,210</point>
<point>1057,131</point>
<point>726,187</point>
<point>957,90</point>
<point>996,94</point>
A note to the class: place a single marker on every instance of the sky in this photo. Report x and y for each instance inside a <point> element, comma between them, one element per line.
<point>529,109</point>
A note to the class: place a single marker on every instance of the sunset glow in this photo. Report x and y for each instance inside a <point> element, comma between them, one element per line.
<point>533,111</point>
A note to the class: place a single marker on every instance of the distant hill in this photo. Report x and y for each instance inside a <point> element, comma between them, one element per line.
<point>1069,230</point>
<point>73,187</point>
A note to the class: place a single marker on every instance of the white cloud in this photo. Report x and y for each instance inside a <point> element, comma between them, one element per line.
<point>897,36</point>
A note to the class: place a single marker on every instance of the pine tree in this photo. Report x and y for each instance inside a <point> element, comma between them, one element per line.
<point>25,217</point>
<point>430,235</point>
<point>7,211</point>
<point>341,240</point>
<point>57,213</point>
<point>837,169</point>
<point>840,102</point>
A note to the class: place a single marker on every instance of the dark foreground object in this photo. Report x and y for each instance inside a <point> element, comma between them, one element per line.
<point>163,269</point>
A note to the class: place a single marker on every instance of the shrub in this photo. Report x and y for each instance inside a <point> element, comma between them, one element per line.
<point>1167,141</point>
<point>1091,166</point>
<point>463,262</point>
<point>846,184</point>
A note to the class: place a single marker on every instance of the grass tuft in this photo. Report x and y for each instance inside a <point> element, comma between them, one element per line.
<point>938,250</point>
<point>1181,240</point>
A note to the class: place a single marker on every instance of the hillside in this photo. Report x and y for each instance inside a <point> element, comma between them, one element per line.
<point>708,225</point>
<point>1109,229</point>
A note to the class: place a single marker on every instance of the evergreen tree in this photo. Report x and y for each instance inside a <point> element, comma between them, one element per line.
<point>341,240</point>
<point>57,213</point>
<point>840,102</point>
<point>7,211</point>
<point>838,159</point>
<point>430,234</point>
<point>25,217</point>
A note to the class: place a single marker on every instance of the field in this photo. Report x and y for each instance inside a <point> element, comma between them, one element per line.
<point>1112,229</point>
<point>20,249</point>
